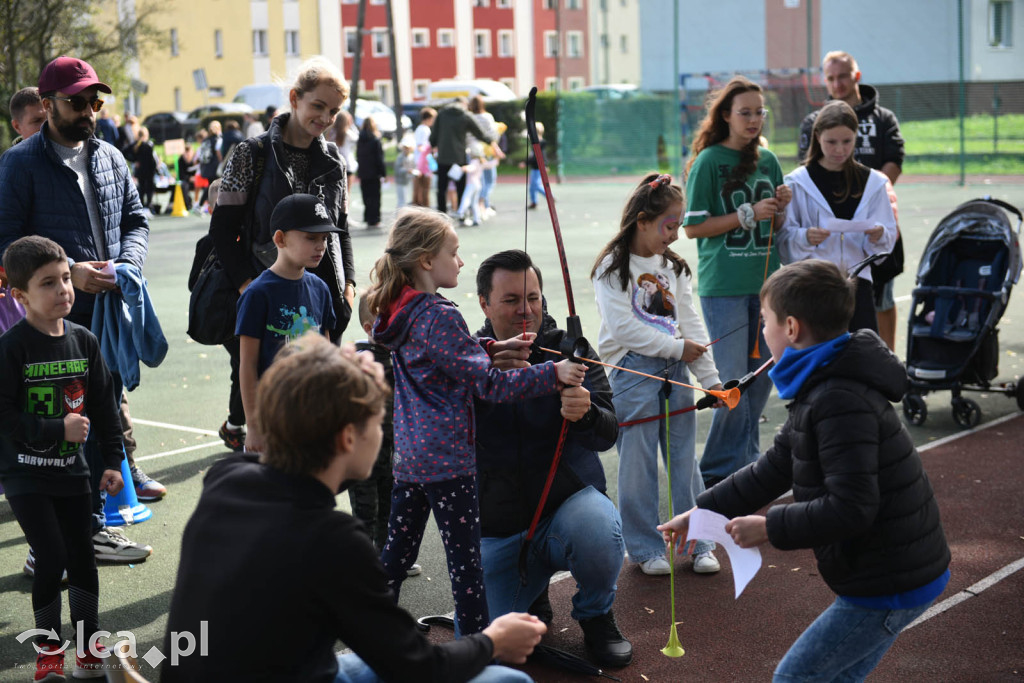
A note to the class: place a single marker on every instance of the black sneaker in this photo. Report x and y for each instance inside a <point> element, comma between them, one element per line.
<point>541,608</point>
<point>604,642</point>
<point>232,438</point>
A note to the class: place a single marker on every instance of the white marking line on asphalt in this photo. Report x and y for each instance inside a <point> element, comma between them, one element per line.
<point>179,450</point>
<point>953,437</point>
<point>180,428</point>
<point>969,592</point>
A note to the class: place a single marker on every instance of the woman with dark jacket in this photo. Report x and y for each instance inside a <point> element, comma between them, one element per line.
<point>145,167</point>
<point>291,157</point>
<point>372,171</point>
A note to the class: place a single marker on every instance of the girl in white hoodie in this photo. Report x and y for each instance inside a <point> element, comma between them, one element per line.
<point>649,324</point>
<point>832,185</point>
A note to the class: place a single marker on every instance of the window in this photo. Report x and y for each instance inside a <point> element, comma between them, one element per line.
<point>623,44</point>
<point>574,44</point>
<point>350,2</point>
<point>177,99</point>
<point>218,43</point>
<point>383,90</point>
<point>482,43</point>
<point>419,88</point>
<point>259,42</point>
<point>174,42</point>
<point>216,91</point>
<point>350,42</point>
<point>421,37</point>
<point>291,43</point>
<point>445,37</point>
<point>572,4</point>
<point>380,43</point>
<point>1000,23</point>
<point>506,42</point>
<point>550,4</point>
<point>551,84</point>
<point>575,83</point>
<point>378,2</point>
<point>604,41</point>
<point>481,3</point>
<point>503,4</point>
<point>550,43</point>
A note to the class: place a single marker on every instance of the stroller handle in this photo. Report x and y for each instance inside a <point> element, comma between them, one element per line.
<point>1006,205</point>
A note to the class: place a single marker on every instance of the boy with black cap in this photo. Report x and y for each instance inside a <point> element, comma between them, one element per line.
<point>285,300</point>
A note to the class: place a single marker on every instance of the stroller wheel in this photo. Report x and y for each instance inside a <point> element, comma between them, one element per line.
<point>1020,395</point>
<point>966,412</point>
<point>915,409</point>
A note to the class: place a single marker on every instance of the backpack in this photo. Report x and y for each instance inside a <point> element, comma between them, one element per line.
<point>214,298</point>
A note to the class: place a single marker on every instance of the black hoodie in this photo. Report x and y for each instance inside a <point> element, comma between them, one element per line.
<point>878,141</point>
<point>862,499</point>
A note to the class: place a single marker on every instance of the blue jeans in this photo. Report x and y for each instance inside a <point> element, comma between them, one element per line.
<point>490,179</point>
<point>351,669</point>
<point>583,537</point>
<point>536,185</point>
<point>844,643</point>
<point>733,439</point>
<point>638,447</point>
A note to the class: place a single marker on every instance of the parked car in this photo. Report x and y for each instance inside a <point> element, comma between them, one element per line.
<point>382,115</point>
<point>490,90</point>
<point>165,125</point>
<point>200,117</point>
<point>613,91</point>
<point>259,96</point>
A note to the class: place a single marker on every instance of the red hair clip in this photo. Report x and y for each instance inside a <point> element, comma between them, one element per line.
<point>663,179</point>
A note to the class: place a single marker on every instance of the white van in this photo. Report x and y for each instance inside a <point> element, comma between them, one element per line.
<point>490,90</point>
<point>259,96</point>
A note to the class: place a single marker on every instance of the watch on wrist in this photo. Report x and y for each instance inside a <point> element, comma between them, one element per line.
<point>746,216</point>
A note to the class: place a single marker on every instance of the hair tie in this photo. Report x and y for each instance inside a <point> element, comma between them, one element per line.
<point>663,179</point>
<point>390,251</point>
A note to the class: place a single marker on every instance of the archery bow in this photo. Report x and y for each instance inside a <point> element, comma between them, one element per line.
<point>573,344</point>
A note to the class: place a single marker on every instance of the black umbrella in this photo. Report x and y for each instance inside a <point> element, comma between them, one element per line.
<point>542,654</point>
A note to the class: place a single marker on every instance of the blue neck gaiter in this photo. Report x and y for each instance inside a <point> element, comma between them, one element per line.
<point>796,365</point>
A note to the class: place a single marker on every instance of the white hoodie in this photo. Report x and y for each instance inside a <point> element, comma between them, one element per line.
<point>654,319</point>
<point>810,209</point>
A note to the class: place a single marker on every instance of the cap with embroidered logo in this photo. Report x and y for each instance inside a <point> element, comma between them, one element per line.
<point>69,76</point>
<point>302,212</point>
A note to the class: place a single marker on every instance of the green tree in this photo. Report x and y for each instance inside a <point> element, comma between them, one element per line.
<point>108,34</point>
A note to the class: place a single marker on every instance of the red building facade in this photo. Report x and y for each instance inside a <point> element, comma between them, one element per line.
<point>521,43</point>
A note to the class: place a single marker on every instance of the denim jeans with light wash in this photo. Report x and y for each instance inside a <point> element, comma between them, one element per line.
<point>638,446</point>
<point>733,439</point>
<point>490,179</point>
<point>845,643</point>
<point>351,669</point>
<point>583,537</point>
<point>536,185</point>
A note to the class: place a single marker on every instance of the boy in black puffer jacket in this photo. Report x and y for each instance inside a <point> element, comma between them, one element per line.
<point>861,498</point>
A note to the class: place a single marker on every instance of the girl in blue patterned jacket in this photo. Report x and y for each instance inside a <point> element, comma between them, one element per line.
<point>439,369</point>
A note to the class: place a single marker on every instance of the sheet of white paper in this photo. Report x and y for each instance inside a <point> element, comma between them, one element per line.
<point>840,225</point>
<point>710,526</point>
<point>108,269</point>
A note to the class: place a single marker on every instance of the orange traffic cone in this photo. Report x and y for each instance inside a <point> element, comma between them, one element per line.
<point>178,208</point>
<point>125,508</point>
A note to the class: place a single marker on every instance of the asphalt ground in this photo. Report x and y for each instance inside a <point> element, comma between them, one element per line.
<point>180,405</point>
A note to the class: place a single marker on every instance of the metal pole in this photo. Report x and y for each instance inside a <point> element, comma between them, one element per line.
<point>558,92</point>
<point>810,35</point>
<point>396,105</point>
<point>677,157</point>
<point>357,61</point>
<point>960,47</point>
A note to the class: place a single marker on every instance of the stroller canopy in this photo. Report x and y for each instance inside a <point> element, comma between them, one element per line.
<point>979,219</point>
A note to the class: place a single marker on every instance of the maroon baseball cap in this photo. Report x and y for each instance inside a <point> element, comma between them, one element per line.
<point>69,75</point>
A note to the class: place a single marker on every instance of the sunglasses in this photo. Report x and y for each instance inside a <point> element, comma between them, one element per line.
<point>79,103</point>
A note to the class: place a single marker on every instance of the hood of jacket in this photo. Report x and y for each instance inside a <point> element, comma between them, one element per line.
<point>802,177</point>
<point>392,326</point>
<point>867,360</point>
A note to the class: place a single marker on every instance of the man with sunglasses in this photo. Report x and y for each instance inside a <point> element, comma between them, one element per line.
<point>69,186</point>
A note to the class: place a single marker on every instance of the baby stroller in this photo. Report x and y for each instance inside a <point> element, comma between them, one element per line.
<point>967,271</point>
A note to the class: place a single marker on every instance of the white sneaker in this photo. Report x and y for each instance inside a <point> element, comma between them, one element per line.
<point>414,570</point>
<point>112,545</point>
<point>706,563</point>
<point>656,566</point>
